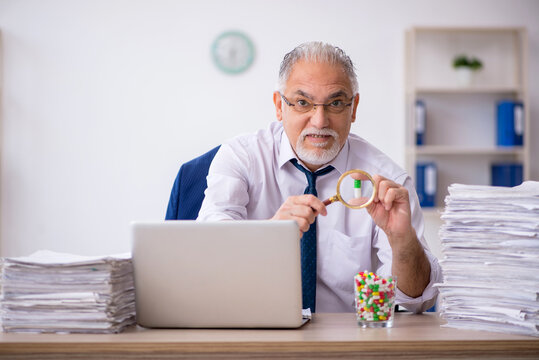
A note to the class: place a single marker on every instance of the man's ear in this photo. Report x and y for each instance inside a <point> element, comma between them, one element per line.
<point>277,100</point>
<point>354,107</point>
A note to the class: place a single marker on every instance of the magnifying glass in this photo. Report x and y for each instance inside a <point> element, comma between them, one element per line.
<point>355,190</point>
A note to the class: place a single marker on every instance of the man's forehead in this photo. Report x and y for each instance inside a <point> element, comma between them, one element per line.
<point>329,95</point>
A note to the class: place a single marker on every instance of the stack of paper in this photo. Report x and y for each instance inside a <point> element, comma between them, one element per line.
<point>490,243</point>
<point>55,292</point>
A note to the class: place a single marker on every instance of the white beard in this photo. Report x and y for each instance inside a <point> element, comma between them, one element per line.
<point>318,157</point>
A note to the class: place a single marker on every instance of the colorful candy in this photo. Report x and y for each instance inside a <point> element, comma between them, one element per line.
<point>375,297</point>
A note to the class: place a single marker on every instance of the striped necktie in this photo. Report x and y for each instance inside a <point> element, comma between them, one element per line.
<point>308,242</point>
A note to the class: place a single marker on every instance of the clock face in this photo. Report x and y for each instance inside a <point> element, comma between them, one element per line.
<point>233,52</point>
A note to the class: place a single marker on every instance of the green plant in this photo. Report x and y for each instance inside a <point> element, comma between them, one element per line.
<point>475,64</point>
<point>464,61</point>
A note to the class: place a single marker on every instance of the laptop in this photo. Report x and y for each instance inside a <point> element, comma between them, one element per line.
<point>226,274</point>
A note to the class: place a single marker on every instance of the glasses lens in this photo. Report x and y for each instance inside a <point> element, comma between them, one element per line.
<point>303,106</point>
<point>336,107</point>
<point>356,189</point>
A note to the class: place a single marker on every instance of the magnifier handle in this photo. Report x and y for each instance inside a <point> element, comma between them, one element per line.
<point>330,200</point>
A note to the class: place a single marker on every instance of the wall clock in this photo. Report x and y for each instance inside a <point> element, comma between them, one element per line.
<point>233,52</point>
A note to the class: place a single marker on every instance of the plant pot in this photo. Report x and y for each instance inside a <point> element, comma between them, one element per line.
<point>464,76</point>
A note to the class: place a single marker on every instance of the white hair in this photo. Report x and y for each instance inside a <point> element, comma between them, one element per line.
<point>317,51</point>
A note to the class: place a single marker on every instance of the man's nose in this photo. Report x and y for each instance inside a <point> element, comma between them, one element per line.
<point>319,117</point>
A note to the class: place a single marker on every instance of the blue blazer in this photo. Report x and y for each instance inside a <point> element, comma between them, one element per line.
<point>188,189</point>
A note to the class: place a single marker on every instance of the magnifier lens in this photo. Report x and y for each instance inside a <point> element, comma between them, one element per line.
<point>356,189</point>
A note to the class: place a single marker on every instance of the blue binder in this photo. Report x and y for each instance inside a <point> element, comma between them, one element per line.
<point>420,121</point>
<point>506,174</point>
<point>510,121</point>
<point>426,183</point>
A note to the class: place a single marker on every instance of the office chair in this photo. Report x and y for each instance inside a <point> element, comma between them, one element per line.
<point>188,189</point>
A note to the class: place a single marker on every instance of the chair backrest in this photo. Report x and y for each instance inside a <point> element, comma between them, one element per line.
<point>188,190</point>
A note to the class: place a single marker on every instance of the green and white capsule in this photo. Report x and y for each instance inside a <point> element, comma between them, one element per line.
<point>357,188</point>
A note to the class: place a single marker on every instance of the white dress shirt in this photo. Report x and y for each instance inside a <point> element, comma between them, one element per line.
<point>251,176</point>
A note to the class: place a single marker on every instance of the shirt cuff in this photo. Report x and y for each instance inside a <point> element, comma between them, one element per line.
<point>428,298</point>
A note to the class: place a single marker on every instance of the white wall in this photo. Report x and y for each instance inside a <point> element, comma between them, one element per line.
<point>102,100</point>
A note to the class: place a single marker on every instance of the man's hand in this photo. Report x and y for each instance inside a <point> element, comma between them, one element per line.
<point>390,210</point>
<point>302,208</point>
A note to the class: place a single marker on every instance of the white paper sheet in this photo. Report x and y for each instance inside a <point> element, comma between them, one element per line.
<point>490,247</point>
<point>58,292</point>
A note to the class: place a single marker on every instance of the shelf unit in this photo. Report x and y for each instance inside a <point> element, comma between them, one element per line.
<point>460,133</point>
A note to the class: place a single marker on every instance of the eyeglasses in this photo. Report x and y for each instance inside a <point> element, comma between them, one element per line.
<point>336,106</point>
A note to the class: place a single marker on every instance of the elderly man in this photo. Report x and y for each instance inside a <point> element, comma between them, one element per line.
<point>264,176</point>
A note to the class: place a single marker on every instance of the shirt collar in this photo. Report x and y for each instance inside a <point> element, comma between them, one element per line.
<point>286,153</point>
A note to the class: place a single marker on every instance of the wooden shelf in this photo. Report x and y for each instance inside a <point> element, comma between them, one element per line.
<point>470,29</point>
<point>467,90</point>
<point>453,150</point>
<point>460,122</point>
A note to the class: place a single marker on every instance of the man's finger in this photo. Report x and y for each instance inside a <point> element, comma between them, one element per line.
<point>303,211</point>
<point>313,202</point>
<point>303,224</point>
